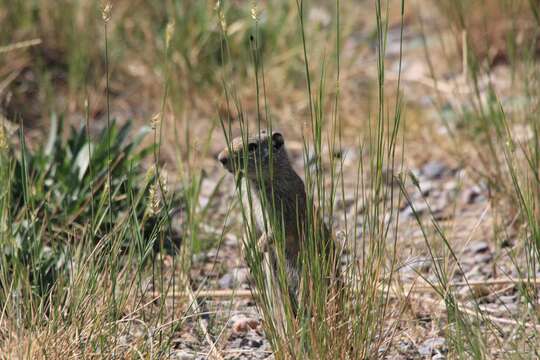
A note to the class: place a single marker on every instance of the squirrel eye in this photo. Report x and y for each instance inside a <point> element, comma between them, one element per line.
<point>252,147</point>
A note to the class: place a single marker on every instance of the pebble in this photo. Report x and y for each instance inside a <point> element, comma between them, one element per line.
<point>234,278</point>
<point>199,258</point>
<point>440,203</point>
<point>250,340</point>
<point>211,254</point>
<point>477,247</point>
<point>251,343</point>
<point>419,207</point>
<point>508,299</point>
<point>242,324</point>
<point>480,291</point>
<point>472,195</point>
<point>230,240</point>
<point>182,355</point>
<point>426,187</point>
<point>320,15</point>
<point>405,346</point>
<point>451,186</point>
<point>203,201</point>
<point>483,257</point>
<point>434,169</point>
<point>430,345</point>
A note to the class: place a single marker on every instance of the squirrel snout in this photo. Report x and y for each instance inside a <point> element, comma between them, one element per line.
<point>223,158</point>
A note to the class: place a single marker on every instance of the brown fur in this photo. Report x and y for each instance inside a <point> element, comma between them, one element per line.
<point>277,191</point>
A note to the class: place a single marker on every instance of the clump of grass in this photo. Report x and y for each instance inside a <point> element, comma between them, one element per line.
<point>85,238</point>
<point>55,274</point>
<point>57,242</point>
<point>325,324</point>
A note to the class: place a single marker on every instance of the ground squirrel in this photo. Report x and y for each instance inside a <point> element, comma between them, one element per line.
<point>277,191</point>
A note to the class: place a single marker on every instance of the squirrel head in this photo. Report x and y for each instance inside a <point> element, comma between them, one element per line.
<point>256,157</point>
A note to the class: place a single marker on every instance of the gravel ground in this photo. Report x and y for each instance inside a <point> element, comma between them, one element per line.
<point>463,211</point>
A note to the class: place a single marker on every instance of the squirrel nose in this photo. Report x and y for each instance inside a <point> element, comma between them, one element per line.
<point>222,157</point>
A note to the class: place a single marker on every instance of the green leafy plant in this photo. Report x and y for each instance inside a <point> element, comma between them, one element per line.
<point>65,181</point>
<point>69,177</point>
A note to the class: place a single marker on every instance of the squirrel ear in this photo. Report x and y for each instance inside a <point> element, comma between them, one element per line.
<point>277,140</point>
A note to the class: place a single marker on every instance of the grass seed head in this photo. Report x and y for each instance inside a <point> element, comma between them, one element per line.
<point>169,32</point>
<point>106,13</point>
<point>254,10</point>
<point>154,123</point>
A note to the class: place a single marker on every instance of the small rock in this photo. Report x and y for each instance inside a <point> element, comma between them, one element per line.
<point>211,254</point>
<point>430,345</point>
<point>203,201</point>
<point>241,324</point>
<point>440,203</point>
<point>451,186</point>
<point>182,355</point>
<point>405,346</point>
<point>226,281</point>
<point>441,215</point>
<point>480,291</point>
<point>419,207</point>
<point>234,278</point>
<point>483,257</point>
<point>320,15</point>
<point>434,169</point>
<point>477,247</point>
<point>508,299</point>
<point>251,343</point>
<point>426,187</point>
<point>199,258</point>
<point>230,240</point>
<point>473,195</point>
